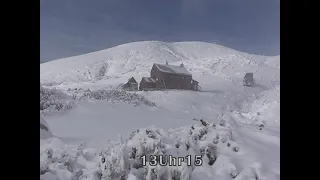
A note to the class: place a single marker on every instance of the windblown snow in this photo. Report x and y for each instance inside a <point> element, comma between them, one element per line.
<point>91,129</point>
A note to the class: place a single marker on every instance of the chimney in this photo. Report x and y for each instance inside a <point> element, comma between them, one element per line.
<point>166,62</point>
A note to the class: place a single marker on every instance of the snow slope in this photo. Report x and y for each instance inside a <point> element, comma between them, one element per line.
<point>136,59</point>
<point>250,115</point>
<point>44,130</point>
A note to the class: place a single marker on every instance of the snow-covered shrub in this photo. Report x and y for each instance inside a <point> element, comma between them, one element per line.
<point>125,159</point>
<point>57,163</point>
<point>53,100</point>
<point>115,96</point>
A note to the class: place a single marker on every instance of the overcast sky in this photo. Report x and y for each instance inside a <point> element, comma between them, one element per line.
<point>73,27</point>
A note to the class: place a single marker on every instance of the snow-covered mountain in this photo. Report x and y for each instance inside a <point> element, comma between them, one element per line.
<point>240,135</point>
<point>136,59</point>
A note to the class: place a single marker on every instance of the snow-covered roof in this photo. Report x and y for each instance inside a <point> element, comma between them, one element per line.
<point>172,69</point>
<point>132,80</point>
<point>148,79</point>
<point>195,81</point>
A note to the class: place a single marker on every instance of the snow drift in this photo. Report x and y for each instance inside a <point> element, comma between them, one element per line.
<point>44,129</point>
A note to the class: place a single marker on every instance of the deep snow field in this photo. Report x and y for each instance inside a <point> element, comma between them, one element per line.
<point>97,131</point>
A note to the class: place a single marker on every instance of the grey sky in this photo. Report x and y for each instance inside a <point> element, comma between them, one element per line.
<point>73,27</point>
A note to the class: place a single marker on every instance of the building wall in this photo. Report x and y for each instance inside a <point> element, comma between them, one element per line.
<point>130,86</point>
<point>171,81</point>
<point>175,81</point>
<point>157,76</point>
<point>146,85</point>
<point>134,87</point>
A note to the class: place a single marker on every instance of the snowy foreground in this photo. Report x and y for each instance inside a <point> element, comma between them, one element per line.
<point>92,130</point>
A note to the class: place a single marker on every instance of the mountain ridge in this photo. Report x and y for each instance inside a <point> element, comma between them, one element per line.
<point>136,59</point>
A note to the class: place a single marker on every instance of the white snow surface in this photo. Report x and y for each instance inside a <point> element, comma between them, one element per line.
<point>44,129</point>
<point>242,134</point>
<point>173,69</point>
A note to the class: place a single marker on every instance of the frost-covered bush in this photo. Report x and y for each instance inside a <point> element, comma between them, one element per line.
<point>116,96</point>
<point>57,163</point>
<point>125,159</point>
<point>53,100</point>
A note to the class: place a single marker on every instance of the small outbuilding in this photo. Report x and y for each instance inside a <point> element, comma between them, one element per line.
<point>147,83</point>
<point>248,80</point>
<point>195,85</point>
<point>131,85</point>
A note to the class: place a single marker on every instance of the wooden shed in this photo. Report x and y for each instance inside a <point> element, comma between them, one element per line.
<point>172,77</point>
<point>131,85</point>
<point>147,83</point>
<point>248,80</point>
